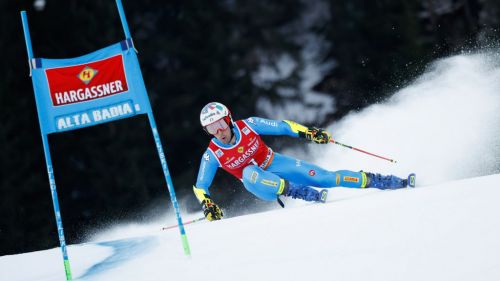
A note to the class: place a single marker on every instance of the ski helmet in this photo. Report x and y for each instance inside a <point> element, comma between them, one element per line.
<point>213,112</point>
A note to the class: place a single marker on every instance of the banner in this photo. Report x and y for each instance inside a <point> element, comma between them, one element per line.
<point>100,87</point>
<point>96,88</point>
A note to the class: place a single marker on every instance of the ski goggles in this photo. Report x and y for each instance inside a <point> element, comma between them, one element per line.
<point>216,126</point>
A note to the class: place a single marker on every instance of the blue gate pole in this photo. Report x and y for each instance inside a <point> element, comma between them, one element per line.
<point>123,19</point>
<point>159,147</point>
<point>48,162</point>
<point>170,185</point>
<point>55,202</point>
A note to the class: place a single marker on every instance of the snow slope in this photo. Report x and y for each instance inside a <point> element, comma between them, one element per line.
<point>441,232</point>
<point>444,126</point>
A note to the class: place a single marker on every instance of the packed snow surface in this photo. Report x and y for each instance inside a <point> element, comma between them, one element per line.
<point>447,231</point>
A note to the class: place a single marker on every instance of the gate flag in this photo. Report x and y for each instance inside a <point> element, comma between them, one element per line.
<point>96,88</point>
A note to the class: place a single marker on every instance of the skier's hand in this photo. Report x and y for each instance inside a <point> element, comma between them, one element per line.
<point>317,135</point>
<point>211,211</point>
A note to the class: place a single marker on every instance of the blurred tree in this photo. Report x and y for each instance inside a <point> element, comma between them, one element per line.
<point>190,53</point>
<point>380,45</point>
<point>376,46</point>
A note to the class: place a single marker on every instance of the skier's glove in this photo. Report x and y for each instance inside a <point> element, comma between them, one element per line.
<point>316,135</point>
<point>211,211</point>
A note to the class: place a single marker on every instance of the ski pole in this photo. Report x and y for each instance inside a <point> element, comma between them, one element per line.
<point>188,222</point>
<point>360,150</point>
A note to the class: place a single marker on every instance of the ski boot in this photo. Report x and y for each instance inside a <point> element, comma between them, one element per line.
<point>385,182</point>
<point>305,192</point>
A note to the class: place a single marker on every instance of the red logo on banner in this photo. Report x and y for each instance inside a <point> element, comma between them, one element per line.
<point>85,82</point>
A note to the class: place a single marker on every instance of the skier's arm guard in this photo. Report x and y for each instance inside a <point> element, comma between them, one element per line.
<point>312,134</point>
<point>200,193</point>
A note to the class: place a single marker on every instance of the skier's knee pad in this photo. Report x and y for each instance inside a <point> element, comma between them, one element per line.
<point>262,184</point>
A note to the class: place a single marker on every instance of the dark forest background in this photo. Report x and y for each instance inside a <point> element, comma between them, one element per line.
<point>191,53</point>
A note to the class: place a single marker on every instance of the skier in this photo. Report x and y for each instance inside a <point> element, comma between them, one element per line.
<point>237,147</point>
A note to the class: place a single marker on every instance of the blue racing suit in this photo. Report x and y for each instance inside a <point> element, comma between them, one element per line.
<point>268,183</point>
